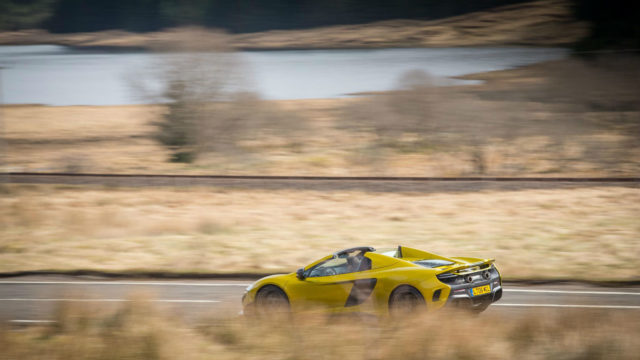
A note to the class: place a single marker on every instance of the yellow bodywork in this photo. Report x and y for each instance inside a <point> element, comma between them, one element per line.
<point>332,293</point>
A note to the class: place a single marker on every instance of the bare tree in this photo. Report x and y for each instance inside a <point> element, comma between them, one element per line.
<point>194,73</point>
<point>203,82</point>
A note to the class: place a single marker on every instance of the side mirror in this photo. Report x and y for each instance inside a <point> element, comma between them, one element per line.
<point>300,274</point>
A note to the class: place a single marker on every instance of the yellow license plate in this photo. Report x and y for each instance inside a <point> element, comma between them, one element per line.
<point>481,290</point>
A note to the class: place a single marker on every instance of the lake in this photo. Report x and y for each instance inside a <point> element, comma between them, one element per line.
<point>57,75</point>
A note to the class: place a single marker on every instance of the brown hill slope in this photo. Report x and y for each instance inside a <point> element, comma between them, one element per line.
<point>538,23</point>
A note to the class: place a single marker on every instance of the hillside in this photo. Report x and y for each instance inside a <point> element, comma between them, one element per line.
<point>538,23</point>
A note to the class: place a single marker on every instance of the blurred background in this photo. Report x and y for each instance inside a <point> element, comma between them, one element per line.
<point>419,88</point>
<point>415,88</point>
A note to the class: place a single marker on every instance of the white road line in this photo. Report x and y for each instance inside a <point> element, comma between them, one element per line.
<point>133,283</point>
<point>31,321</point>
<point>573,292</point>
<point>185,301</point>
<point>573,306</point>
<point>114,300</point>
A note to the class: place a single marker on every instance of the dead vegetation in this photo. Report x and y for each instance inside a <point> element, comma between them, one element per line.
<point>136,331</point>
<point>586,233</point>
<point>564,111</point>
<point>208,110</point>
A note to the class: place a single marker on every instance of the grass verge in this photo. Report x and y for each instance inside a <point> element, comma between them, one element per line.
<point>582,234</point>
<point>137,331</point>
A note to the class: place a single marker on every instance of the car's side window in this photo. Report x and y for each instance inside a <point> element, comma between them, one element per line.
<point>341,265</point>
<point>335,266</point>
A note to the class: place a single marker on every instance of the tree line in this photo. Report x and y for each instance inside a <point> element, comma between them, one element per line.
<point>238,16</point>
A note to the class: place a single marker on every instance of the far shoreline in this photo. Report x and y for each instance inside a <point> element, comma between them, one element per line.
<point>541,23</point>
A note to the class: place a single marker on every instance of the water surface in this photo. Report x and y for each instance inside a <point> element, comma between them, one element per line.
<point>57,75</point>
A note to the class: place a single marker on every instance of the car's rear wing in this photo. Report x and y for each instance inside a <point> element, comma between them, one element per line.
<point>410,254</point>
<point>461,265</point>
<point>462,269</point>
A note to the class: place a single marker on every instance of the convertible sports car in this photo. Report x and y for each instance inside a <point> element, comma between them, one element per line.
<point>380,282</point>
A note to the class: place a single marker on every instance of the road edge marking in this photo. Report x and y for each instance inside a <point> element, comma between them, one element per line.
<point>113,300</point>
<point>126,283</point>
<point>585,292</point>
<point>628,307</point>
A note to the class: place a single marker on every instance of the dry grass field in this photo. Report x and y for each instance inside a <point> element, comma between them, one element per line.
<point>583,234</point>
<point>476,130</point>
<point>136,331</point>
<point>119,139</point>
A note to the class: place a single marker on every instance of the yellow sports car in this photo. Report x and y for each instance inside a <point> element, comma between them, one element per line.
<point>380,282</point>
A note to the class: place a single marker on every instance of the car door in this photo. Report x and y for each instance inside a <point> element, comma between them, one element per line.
<point>323,285</point>
<point>334,284</point>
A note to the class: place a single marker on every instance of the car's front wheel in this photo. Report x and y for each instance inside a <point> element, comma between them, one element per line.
<point>406,300</point>
<point>271,300</point>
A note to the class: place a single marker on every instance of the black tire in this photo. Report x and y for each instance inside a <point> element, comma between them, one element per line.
<point>406,300</point>
<point>271,300</point>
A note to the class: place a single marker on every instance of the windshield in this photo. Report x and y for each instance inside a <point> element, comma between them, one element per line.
<point>433,263</point>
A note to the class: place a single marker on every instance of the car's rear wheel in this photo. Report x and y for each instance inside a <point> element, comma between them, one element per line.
<point>406,300</point>
<point>271,300</point>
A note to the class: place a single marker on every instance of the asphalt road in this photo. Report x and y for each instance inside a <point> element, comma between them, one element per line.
<point>34,299</point>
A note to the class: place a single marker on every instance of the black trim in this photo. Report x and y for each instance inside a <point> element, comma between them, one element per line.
<point>360,292</point>
<point>498,295</point>
<point>363,249</point>
<point>436,295</point>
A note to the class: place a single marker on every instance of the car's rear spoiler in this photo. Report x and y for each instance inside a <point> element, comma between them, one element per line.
<point>462,265</point>
<point>404,252</point>
<point>461,269</point>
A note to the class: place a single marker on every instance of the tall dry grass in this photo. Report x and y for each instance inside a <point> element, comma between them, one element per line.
<point>585,233</point>
<point>137,331</point>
